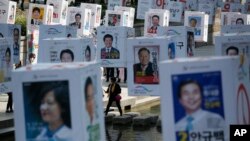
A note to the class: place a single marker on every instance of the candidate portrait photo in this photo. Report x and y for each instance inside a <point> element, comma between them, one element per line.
<point>146,65</point>
<point>109,52</point>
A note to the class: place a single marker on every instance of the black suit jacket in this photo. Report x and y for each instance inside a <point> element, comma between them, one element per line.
<point>75,25</point>
<point>32,22</point>
<point>138,70</point>
<point>116,91</point>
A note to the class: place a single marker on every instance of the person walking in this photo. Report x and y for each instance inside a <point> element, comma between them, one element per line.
<point>9,107</point>
<point>113,91</point>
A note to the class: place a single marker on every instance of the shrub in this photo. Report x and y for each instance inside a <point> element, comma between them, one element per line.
<point>21,20</point>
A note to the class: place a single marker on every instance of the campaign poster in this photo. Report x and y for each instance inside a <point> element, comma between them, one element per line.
<point>146,67</point>
<point>12,34</point>
<point>159,4</point>
<point>152,22</point>
<point>190,44</point>
<point>191,5</point>
<point>171,50</point>
<point>195,21</point>
<point>176,11</point>
<point>86,22</point>
<point>109,51</point>
<point>7,11</point>
<point>198,104</point>
<point>36,15</point>
<point>208,8</point>
<point>234,49</point>
<point>95,13</point>
<point>88,50</point>
<point>12,13</point>
<point>113,3</point>
<point>60,50</point>
<point>238,19</point>
<point>111,46</point>
<point>114,19</point>
<point>75,16</point>
<point>59,10</point>
<point>6,65</point>
<point>33,44</point>
<point>47,103</point>
<point>56,31</point>
<point>143,7</point>
<point>131,12</point>
<point>92,108</point>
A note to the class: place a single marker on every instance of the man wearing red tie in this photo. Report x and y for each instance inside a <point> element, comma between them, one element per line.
<point>155,22</point>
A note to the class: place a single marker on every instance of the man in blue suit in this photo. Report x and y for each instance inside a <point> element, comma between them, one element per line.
<point>109,52</point>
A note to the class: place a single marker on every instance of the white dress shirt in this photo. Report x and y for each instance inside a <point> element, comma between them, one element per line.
<point>202,120</point>
<point>63,134</point>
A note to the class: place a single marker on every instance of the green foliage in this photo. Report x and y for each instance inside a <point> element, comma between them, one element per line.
<point>21,20</point>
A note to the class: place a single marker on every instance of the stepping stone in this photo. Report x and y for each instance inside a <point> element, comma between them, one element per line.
<point>114,113</point>
<point>153,118</point>
<point>123,120</point>
<point>133,114</point>
<point>142,121</point>
<point>158,124</point>
<point>109,118</point>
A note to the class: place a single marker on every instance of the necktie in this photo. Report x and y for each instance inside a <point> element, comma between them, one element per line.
<point>189,123</point>
<point>108,53</point>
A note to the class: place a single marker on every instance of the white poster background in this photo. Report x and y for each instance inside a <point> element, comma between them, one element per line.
<point>224,43</point>
<point>50,49</point>
<point>12,33</point>
<point>75,74</point>
<point>197,65</point>
<point>176,11</point>
<point>96,10</point>
<point>143,7</point>
<point>7,11</point>
<point>201,26</point>
<point>44,17</point>
<point>6,65</point>
<point>158,44</point>
<point>119,43</point>
<point>60,8</point>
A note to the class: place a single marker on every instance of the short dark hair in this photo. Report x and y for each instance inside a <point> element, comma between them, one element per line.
<point>78,14</point>
<point>156,16</point>
<point>36,9</point>
<point>108,36</point>
<point>232,48</point>
<point>32,55</point>
<point>67,51</point>
<point>61,94</point>
<point>16,29</point>
<point>87,83</point>
<point>143,49</point>
<point>193,19</point>
<point>240,19</point>
<point>186,82</point>
<point>113,79</point>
